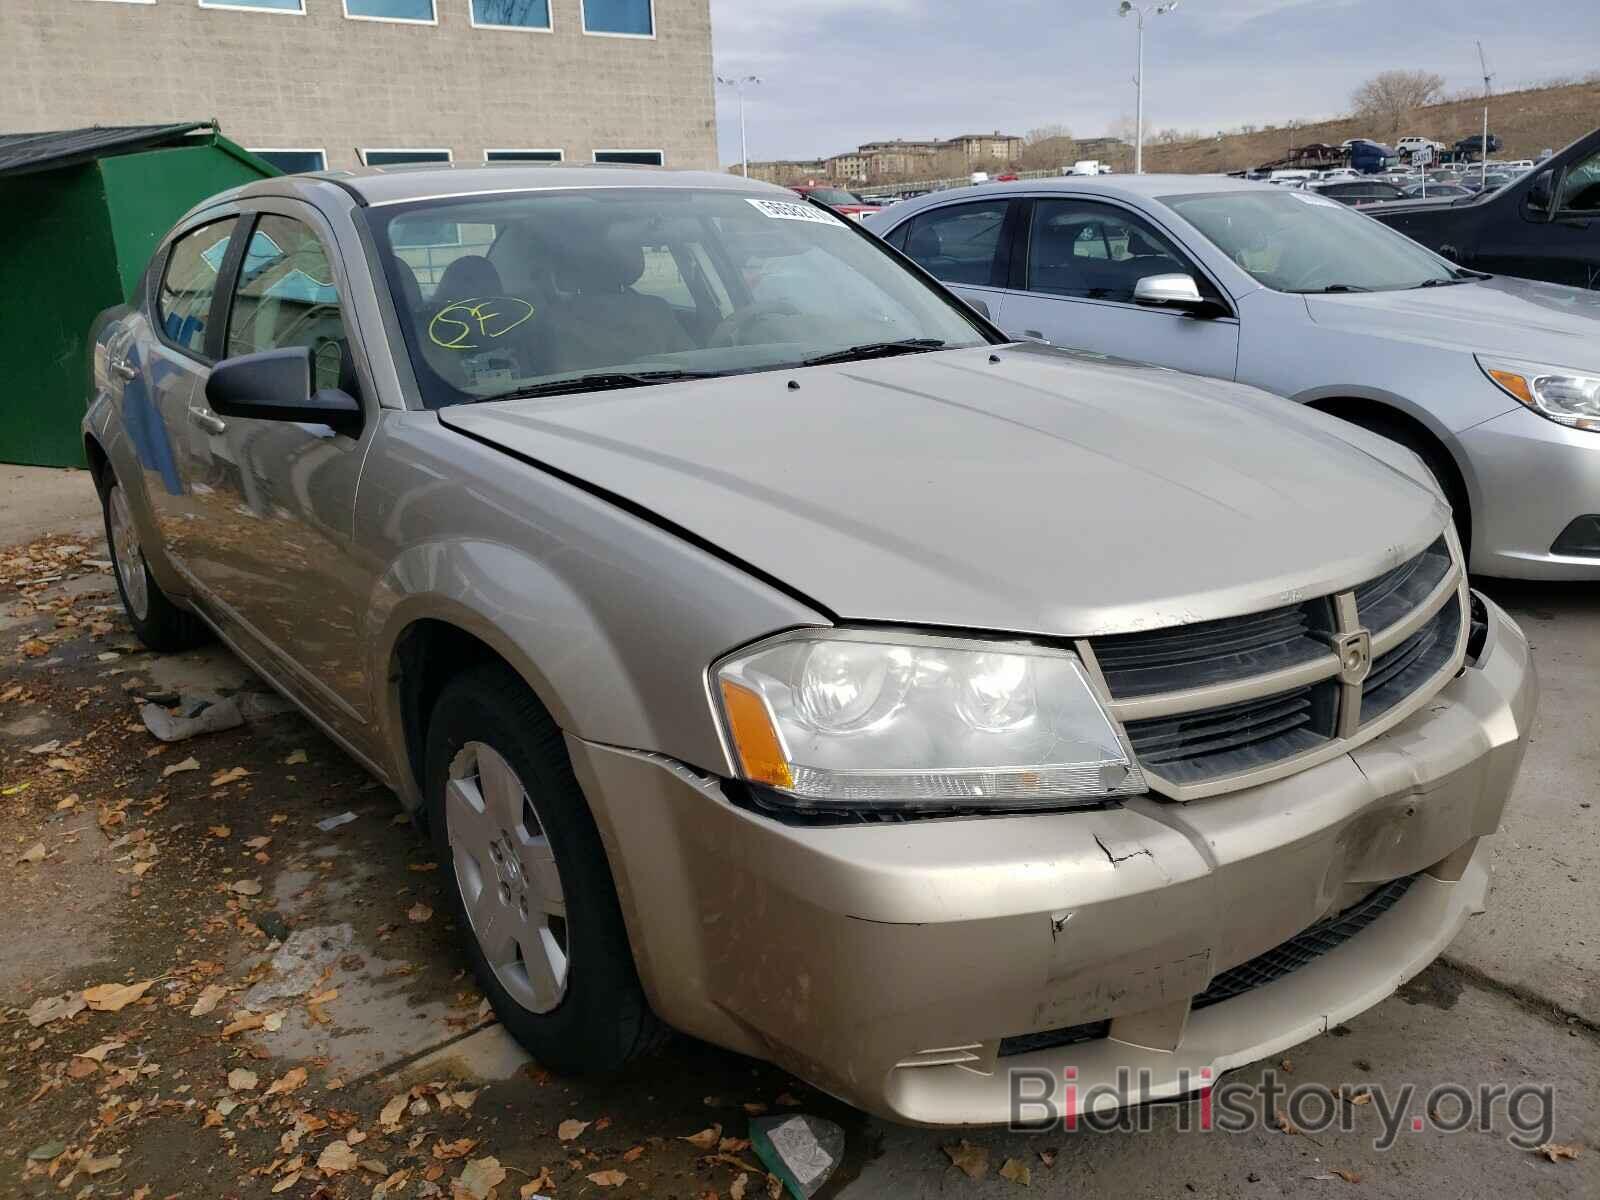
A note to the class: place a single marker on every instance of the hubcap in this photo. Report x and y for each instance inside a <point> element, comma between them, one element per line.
<point>126,555</point>
<point>508,877</point>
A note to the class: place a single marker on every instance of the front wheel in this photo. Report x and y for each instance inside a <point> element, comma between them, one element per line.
<point>159,623</point>
<point>529,878</point>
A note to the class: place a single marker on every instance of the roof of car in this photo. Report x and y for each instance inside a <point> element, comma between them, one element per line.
<point>423,181</point>
<point>1125,186</point>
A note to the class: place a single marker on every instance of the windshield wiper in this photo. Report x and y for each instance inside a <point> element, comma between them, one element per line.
<point>875,350</point>
<point>1427,283</point>
<point>1332,287</point>
<point>600,381</point>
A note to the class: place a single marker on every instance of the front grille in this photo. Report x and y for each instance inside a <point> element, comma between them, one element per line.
<point>1304,947</point>
<point>1217,701</point>
<point>1399,672</point>
<point>1235,737</point>
<point>1269,966</point>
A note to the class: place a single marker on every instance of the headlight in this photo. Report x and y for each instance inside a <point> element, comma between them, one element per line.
<point>1565,396</point>
<point>858,717</point>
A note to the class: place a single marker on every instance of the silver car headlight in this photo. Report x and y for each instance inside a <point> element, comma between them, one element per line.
<point>869,717</point>
<point>1567,396</point>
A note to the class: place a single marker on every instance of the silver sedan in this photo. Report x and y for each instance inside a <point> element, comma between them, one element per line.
<point>1494,382</point>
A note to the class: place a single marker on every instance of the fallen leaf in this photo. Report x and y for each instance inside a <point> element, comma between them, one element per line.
<point>1347,1176</point>
<point>480,1175</point>
<point>1017,1172</point>
<point>571,1129</point>
<point>1047,1157</point>
<point>419,912</point>
<point>114,997</point>
<point>1287,1066</point>
<point>459,1148</point>
<point>273,1021</point>
<point>389,1118</point>
<point>632,1153</point>
<point>972,1160</point>
<point>774,1187</point>
<point>47,1151</point>
<point>231,775</point>
<point>99,1166</point>
<point>243,1022</point>
<point>55,1008</point>
<point>246,887</point>
<point>98,1053</point>
<point>67,802</point>
<point>139,869</point>
<point>705,1139</point>
<point>607,1178</point>
<point>241,1080</point>
<point>287,1182</point>
<point>292,1081</point>
<point>33,854</point>
<point>258,843</point>
<point>463,1100</point>
<point>1556,1151</point>
<point>207,1000</point>
<point>1282,1122</point>
<point>188,764</point>
<point>81,1068</point>
<point>296,757</point>
<point>336,1157</point>
<point>736,1189</point>
<point>539,1183</point>
<point>220,831</point>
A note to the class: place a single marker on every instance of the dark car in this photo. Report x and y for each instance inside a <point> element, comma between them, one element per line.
<point>1436,191</point>
<point>1358,193</point>
<point>1472,147</point>
<point>1543,225</point>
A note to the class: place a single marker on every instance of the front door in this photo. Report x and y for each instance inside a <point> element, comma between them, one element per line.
<point>1517,240</point>
<point>1082,259</point>
<point>278,560</point>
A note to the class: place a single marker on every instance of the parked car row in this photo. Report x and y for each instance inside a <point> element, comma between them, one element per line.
<point>776,649</point>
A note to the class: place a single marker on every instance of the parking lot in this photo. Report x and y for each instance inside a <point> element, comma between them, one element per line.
<point>179,869</point>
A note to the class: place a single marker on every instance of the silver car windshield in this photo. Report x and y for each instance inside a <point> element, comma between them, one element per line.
<point>574,290</point>
<point>1302,242</point>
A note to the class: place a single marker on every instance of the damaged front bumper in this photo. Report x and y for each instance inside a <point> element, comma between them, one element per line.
<point>912,968</point>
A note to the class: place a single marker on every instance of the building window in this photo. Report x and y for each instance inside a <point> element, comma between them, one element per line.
<point>394,158</point>
<point>511,14</point>
<point>643,158</point>
<point>620,18</point>
<point>514,156</point>
<point>294,162</point>
<point>416,11</point>
<point>125,1</point>
<point>288,6</point>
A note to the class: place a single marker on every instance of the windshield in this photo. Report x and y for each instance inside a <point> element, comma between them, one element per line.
<point>1302,242</point>
<point>528,292</point>
<point>833,196</point>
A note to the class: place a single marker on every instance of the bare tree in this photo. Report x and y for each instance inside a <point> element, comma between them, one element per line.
<point>1046,133</point>
<point>1389,98</point>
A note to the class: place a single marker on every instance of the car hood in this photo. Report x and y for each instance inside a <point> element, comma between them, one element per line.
<point>1521,318</point>
<point>1034,491</point>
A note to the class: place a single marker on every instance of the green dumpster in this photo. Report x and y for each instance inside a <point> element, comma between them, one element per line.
<point>85,208</point>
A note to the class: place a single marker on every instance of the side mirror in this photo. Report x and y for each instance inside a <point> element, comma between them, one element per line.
<point>276,385</point>
<point>1171,291</point>
<point>978,306</point>
<point>1542,194</point>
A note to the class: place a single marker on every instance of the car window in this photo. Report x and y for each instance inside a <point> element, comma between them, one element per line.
<point>960,243</point>
<point>183,302</point>
<point>286,296</point>
<point>557,287</point>
<point>1580,191</point>
<point>1098,252</point>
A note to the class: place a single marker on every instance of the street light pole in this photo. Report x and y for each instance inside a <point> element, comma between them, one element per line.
<point>1139,14</point>
<point>738,85</point>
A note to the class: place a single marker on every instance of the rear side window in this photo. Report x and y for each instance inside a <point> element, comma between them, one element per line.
<point>189,283</point>
<point>286,296</point>
<point>961,243</point>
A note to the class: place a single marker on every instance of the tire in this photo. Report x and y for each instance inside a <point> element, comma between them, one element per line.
<point>564,986</point>
<point>159,623</point>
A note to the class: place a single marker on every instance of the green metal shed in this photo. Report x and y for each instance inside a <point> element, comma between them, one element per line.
<point>86,208</point>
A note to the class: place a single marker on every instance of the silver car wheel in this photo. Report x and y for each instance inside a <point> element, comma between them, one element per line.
<point>125,553</point>
<point>507,873</point>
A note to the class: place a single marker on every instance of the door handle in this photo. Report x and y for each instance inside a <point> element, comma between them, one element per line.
<point>208,421</point>
<point>126,369</point>
<point>1033,335</point>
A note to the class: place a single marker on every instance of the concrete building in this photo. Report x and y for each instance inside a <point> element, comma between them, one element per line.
<point>789,170</point>
<point>312,83</point>
<point>986,147</point>
<point>899,157</point>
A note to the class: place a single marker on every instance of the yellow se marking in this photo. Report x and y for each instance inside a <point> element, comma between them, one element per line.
<point>484,316</point>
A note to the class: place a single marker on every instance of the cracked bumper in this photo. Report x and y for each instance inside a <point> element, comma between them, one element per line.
<point>886,963</point>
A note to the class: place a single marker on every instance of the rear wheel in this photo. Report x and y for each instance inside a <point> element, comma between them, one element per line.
<point>529,877</point>
<point>160,624</point>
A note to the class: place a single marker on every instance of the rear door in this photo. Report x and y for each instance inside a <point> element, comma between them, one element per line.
<point>277,558</point>
<point>165,369</point>
<point>1075,269</point>
<point>966,246</point>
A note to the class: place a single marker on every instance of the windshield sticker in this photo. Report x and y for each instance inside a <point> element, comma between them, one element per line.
<point>1312,198</point>
<point>456,326</point>
<point>785,210</point>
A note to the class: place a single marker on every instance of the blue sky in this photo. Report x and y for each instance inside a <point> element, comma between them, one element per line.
<point>839,72</point>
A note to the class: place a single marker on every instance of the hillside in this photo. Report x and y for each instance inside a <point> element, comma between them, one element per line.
<point>1526,122</point>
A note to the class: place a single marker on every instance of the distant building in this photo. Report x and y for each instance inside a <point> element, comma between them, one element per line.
<point>788,170</point>
<point>986,147</point>
<point>899,157</point>
<point>848,168</point>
